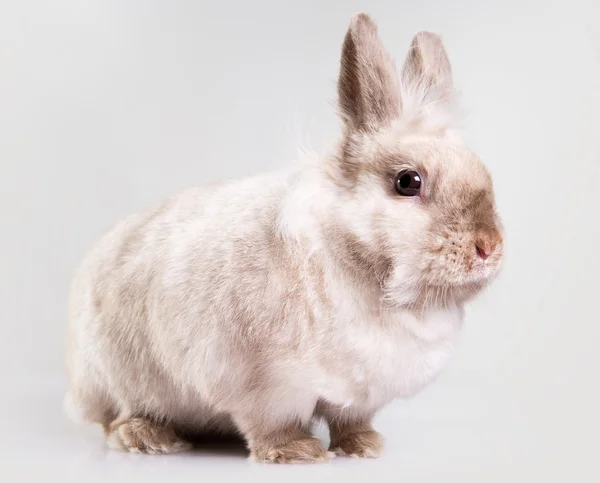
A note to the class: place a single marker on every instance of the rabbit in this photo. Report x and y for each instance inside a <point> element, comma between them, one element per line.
<point>254,307</point>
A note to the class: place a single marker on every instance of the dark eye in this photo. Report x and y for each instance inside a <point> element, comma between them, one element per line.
<point>408,183</point>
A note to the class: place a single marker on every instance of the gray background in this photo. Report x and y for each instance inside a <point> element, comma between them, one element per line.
<point>108,106</point>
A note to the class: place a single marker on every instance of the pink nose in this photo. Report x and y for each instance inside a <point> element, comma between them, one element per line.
<point>483,251</point>
<point>486,242</point>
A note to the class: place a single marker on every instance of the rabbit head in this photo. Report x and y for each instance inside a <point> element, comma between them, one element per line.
<point>414,209</point>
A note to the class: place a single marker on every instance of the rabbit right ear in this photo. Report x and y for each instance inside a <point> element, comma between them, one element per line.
<point>368,88</point>
<point>427,68</point>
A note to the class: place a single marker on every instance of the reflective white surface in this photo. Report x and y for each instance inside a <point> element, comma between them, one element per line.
<point>447,434</point>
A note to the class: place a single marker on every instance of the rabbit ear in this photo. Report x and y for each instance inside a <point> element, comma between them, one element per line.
<point>427,67</point>
<point>368,88</point>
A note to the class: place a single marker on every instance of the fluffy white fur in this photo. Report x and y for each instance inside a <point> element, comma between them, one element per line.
<point>257,305</point>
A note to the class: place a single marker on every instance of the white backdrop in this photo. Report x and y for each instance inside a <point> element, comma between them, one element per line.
<point>108,106</point>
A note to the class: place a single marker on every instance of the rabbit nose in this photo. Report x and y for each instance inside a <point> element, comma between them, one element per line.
<point>484,246</point>
<point>482,251</point>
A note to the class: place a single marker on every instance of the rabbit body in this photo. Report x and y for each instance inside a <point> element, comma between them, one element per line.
<point>254,306</point>
<point>201,297</point>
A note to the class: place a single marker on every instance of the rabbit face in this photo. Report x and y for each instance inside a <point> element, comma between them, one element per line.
<point>416,209</point>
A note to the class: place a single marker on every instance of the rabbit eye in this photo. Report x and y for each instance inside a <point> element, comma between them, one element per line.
<point>408,183</point>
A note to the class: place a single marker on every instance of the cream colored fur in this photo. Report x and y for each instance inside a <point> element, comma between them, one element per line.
<point>257,305</point>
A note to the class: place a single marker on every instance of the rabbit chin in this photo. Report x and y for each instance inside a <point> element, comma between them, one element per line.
<point>421,292</point>
<point>433,296</point>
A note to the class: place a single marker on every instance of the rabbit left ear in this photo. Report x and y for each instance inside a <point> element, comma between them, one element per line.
<point>368,88</point>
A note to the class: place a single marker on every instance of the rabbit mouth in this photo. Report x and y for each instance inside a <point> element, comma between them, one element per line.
<point>458,288</point>
<point>458,267</point>
<point>477,275</point>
